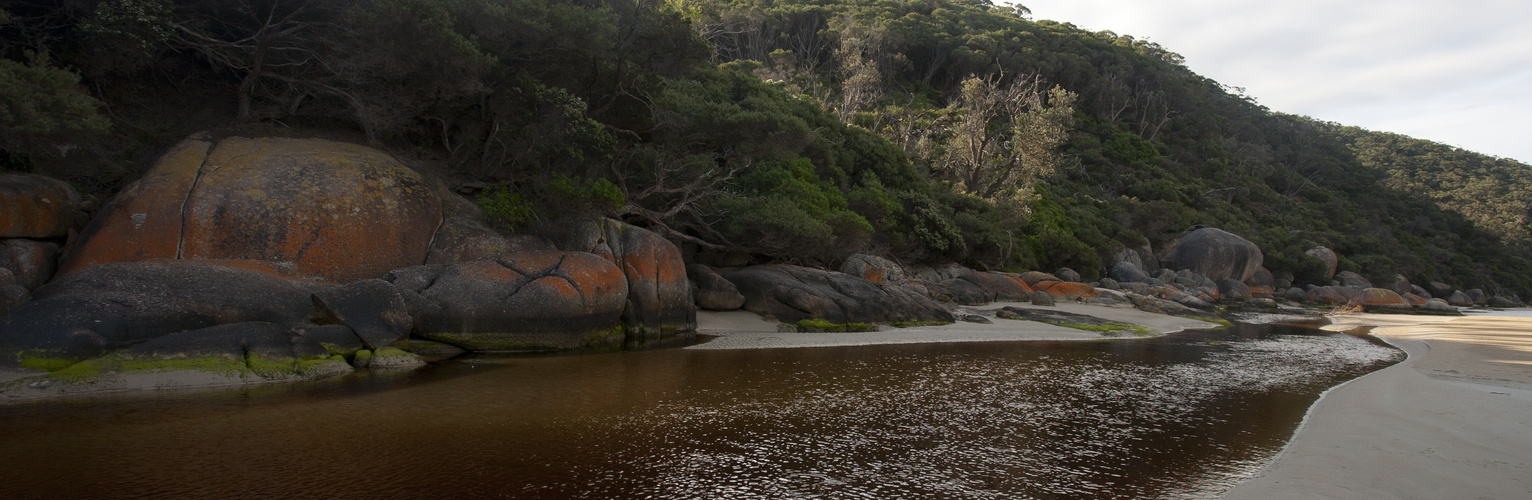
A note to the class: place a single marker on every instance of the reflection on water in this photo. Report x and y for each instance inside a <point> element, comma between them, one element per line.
<point>1174,417</point>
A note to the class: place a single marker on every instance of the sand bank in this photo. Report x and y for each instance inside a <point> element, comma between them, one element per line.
<point>1452,421</point>
<point>746,330</point>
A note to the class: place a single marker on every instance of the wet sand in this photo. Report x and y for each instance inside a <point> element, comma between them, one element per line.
<point>746,330</point>
<point>1452,421</point>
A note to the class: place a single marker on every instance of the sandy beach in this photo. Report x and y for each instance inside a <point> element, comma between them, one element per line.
<point>746,330</point>
<point>1454,421</point>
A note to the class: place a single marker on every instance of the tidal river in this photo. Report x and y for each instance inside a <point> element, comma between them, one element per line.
<point>1181,416</point>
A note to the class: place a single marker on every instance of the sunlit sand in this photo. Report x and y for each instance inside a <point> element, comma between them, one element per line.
<point>1452,421</point>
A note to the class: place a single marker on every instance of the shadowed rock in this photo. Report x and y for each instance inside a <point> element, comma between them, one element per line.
<point>34,206</point>
<point>107,307</point>
<point>232,354</point>
<point>1067,274</point>
<point>1437,306</point>
<point>1216,254</point>
<point>1459,299</point>
<point>1353,280</point>
<point>522,302</point>
<point>792,293</point>
<point>31,262</point>
<point>1232,290</point>
<point>872,268</point>
<point>1477,296</point>
<point>1327,256</point>
<point>659,302</point>
<point>1127,272</point>
<point>372,308</point>
<point>713,292</point>
<point>999,287</point>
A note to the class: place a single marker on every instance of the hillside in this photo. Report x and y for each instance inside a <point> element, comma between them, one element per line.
<point>786,130</point>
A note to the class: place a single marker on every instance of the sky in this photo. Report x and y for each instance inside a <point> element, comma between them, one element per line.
<point>1456,72</point>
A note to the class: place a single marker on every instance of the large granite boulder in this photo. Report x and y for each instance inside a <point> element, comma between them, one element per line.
<point>1437,306</point>
<point>107,307</point>
<point>1326,295</point>
<point>872,268</point>
<point>659,301</point>
<point>1384,300</point>
<point>233,354</point>
<point>1459,299</point>
<point>1032,278</point>
<point>1127,272</point>
<point>1477,295</point>
<point>31,262</point>
<point>1066,289</point>
<point>1327,256</point>
<point>714,293</point>
<point>1353,280</point>
<point>1216,254</point>
<point>953,291</point>
<point>999,287</point>
<point>34,206</point>
<point>1439,289</point>
<point>337,211</point>
<point>463,240</point>
<point>1399,284</point>
<point>1067,274</point>
<point>539,301</point>
<point>1234,291</point>
<point>791,294</point>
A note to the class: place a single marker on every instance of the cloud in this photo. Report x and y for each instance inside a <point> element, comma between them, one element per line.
<point>1451,72</point>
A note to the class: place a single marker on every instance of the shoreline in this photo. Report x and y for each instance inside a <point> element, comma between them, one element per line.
<point>745,330</point>
<point>1452,420</point>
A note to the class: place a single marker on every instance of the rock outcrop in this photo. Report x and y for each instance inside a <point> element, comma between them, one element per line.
<point>30,262</point>
<point>1353,280</point>
<point>337,211</point>
<point>872,268</point>
<point>523,302</point>
<point>714,293</point>
<point>107,307</point>
<point>1127,272</point>
<point>1216,254</point>
<point>1327,256</point>
<point>659,302</point>
<point>1383,300</point>
<point>791,294</point>
<point>34,206</point>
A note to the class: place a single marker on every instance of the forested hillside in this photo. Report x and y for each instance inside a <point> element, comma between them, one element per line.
<point>791,130</point>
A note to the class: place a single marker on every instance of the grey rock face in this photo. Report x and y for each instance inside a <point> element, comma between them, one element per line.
<point>1067,274</point>
<point>1327,256</point>
<point>873,268</point>
<point>1127,272</point>
<point>373,309</point>
<point>86,313</point>
<point>1042,299</point>
<point>792,293</point>
<point>1216,254</point>
<point>713,292</point>
<point>1353,280</point>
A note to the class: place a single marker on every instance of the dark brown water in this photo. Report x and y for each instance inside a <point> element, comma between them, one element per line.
<point>1175,417</point>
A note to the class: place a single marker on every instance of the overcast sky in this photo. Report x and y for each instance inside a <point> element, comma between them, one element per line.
<point>1456,72</point>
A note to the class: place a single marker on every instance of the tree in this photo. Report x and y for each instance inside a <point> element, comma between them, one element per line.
<point>1006,135</point>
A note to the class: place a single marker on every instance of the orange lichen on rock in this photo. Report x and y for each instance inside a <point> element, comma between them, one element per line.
<point>338,211</point>
<point>144,220</point>
<point>34,206</point>
<point>1066,289</point>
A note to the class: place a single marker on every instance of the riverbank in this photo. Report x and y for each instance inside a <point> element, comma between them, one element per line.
<point>1452,421</point>
<point>746,330</point>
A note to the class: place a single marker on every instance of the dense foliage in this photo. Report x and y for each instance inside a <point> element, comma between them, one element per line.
<point>795,130</point>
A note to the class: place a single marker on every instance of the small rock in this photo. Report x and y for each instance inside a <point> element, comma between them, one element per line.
<point>1042,299</point>
<point>1067,274</point>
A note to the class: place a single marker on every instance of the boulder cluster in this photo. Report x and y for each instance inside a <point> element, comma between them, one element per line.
<point>1214,266</point>
<point>254,260</point>
<point>273,259</point>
